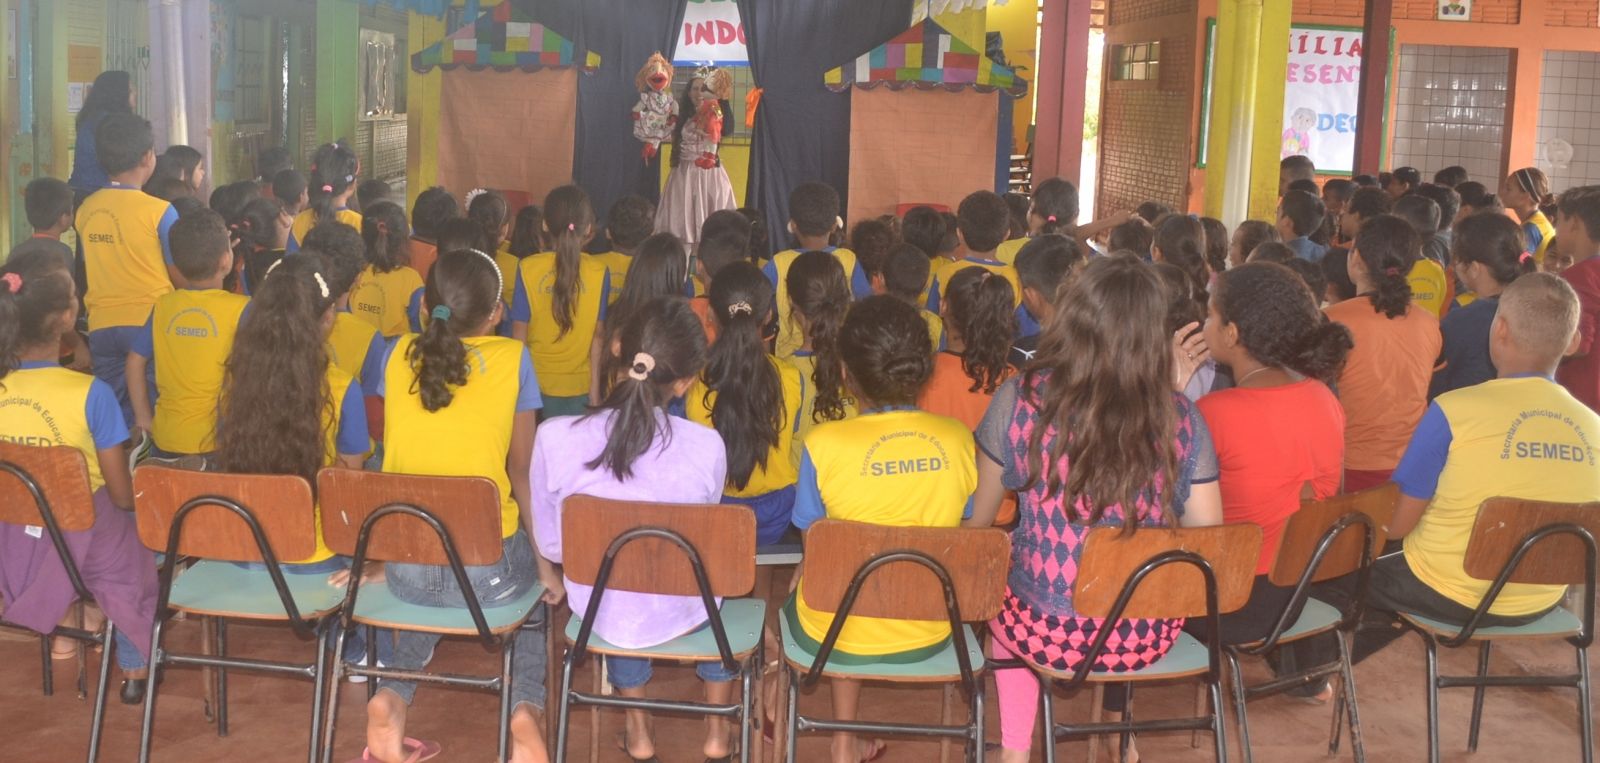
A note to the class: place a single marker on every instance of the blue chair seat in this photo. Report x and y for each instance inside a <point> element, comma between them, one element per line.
<point>742,620</point>
<point>377,605</point>
<point>1187,657</point>
<point>1316,617</point>
<point>1557,623</point>
<point>227,590</point>
<point>941,666</point>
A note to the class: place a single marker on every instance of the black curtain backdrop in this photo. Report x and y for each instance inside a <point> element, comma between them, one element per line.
<point>802,131</point>
<point>606,160</point>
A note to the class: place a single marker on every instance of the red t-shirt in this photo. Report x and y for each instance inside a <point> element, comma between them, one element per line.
<point>1270,441</point>
<point>1580,374</point>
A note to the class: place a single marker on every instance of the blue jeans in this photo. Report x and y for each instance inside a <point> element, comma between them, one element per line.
<point>634,672</point>
<point>108,351</point>
<point>773,511</point>
<point>355,647</point>
<point>493,585</point>
<point>128,656</point>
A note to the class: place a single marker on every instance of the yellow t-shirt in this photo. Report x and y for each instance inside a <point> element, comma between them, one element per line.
<point>1007,252</point>
<point>191,335</point>
<point>948,270</point>
<point>777,271</point>
<point>351,346</point>
<point>806,364</point>
<point>338,384</point>
<point>1430,287</point>
<point>935,329</point>
<point>780,470</point>
<point>507,262</point>
<point>385,300</point>
<point>562,360</point>
<point>1525,437</point>
<point>307,219</point>
<point>123,231</point>
<point>470,437</point>
<point>43,404</point>
<point>618,263</point>
<point>1540,233</point>
<point>897,467</point>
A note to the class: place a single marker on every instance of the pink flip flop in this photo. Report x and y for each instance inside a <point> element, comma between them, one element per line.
<point>420,751</point>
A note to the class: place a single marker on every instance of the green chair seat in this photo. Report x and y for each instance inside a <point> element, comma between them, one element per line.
<point>742,620</point>
<point>1558,622</point>
<point>377,605</point>
<point>1186,658</point>
<point>1315,617</point>
<point>228,590</point>
<point>941,666</point>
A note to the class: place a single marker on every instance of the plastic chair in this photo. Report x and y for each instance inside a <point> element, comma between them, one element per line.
<point>907,573</point>
<point>1501,549</point>
<point>444,521</point>
<point>49,487</point>
<point>1323,540</point>
<point>667,549</point>
<point>219,519</point>
<point>1167,573</point>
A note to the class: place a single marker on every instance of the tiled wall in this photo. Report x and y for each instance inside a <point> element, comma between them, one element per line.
<point>1451,109</point>
<point>1568,97</point>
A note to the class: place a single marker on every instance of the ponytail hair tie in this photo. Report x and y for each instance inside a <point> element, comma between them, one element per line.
<point>1050,219</point>
<point>382,226</point>
<point>572,227</point>
<point>1524,257</point>
<point>441,313</point>
<point>1391,272</point>
<point>13,282</point>
<point>643,364</point>
<point>740,307</point>
<point>327,188</point>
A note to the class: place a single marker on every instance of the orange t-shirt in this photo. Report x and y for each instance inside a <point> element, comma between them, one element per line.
<point>423,255</point>
<point>949,393</point>
<point>1384,385</point>
<point>702,308</point>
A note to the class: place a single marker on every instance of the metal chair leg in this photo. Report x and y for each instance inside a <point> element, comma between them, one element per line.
<point>564,707</point>
<point>100,692</point>
<point>151,688</point>
<point>597,685</point>
<point>47,673</point>
<point>508,653</point>
<point>1347,694</point>
<point>372,660</point>
<point>978,724</point>
<point>319,677</point>
<point>222,678</point>
<point>1585,715</point>
<point>747,705</point>
<point>1432,659</point>
<point>1219,735</point>
<point>792,721</point>
<point>1240,700</point>
<point>1047,719</point>
<point>1477,697</point>
<point>335,679</point>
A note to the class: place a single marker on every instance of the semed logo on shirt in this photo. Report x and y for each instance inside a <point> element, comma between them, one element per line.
<point>194,332</point>
<point>904,452</point>
<point>1543,445</point>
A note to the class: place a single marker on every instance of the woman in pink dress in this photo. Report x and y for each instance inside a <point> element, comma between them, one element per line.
<point>698,184</point>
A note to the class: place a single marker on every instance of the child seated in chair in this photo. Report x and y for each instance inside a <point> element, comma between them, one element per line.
<point>629,449</point>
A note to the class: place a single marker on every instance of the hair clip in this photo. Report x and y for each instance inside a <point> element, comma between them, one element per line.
<point>273,266</point>
<point>327,188</point>
<point>1524,257</point>
<point>572,227</point>
<point>643,364</point>
<point>500,279</point>
<point>441,313</point>
<point>13,282</point>
<point>740,307</point>
<point>473,195</point>
<point>321,284</point>
<point>1050,219</point>
<point>349,178</point>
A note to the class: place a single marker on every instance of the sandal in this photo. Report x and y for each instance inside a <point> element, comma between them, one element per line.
<point>420,751</point>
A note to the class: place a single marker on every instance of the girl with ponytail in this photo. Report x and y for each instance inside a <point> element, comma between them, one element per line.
<point>1181,240</point>
<point>752,399</point>
<point>628,448</point>
<point>1527,192</point>
<point>461,402</point>
<point>389,291</point>
<point>1280,433</point>
<point>1384,384</point>
<point>489,211</point>
<point>1488,253</point>
<point>334,168</point>
<point>819,296</point>
<point>260,236</point>
<point>661,269</point>
<point>559,300</point>
<point>1054,209</point>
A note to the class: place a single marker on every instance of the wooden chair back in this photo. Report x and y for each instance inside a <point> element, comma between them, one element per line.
<point>281,505</point>
<point>62,474</point>
<point>468,507</point>
<point>1502,525</point>
<point>975,559</point>
<point>1307,526</point>
<point>1175,590</point>
<point>723,535</point>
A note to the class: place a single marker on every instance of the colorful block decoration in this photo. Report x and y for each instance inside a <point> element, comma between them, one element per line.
<point>926,55</point>
<point>504,38</point>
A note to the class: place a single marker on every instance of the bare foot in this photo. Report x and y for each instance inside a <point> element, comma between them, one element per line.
<point>386,727</point>
<point>527,738</point>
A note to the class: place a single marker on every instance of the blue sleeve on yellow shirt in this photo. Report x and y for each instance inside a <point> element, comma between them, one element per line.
<point>352,437</point>
<point>1535,238</point>
<point>164,230</point>
<point>605,293</point>
<point>860,285</point>
<point>144,341</point>
<point>293,244</point>
<point>528,398</point>
<point>372,366</point>
<point>521,310</point>
<point>1026,325</point>
<point>104,415</point>
<point>414,311</point>
<point>808,506</point>
<point>933,296</point>
<point>1419,469</point>
<point>388,350</point>
<point>770,270</point>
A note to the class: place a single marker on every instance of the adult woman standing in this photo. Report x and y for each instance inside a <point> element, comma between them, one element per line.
<point>111,93</point>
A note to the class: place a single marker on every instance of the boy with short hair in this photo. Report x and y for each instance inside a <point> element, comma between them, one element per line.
<point>905,277</point>
<point>632,219</point>
<point>813,219</point>
<point>1041,267</point>
<point>188,336</point>
<point>1402,181</point>
<point>1294,168</point>
<point>1578,238</point>
<point>48,202</point>
<point>1431,289</point>
<point>289,189</point>
<point>1301,214</point>
<point>982,221</point>
<point>127,258</point>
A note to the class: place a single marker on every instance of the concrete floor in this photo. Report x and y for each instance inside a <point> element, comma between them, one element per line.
<point>269,715</point>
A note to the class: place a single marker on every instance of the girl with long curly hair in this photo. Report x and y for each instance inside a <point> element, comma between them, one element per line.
<point>819,296</point>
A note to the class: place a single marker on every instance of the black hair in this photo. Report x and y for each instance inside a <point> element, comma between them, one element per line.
<point>1044,262</point>
<point>490,212</point>
<point>668,333</point>
<point>814,209</point>
<point>121,142</point>
<point>819,293</point>
<point>1384,179</point>
<point>1182,241</point>
<point>198,243</point>
<point>1478,196</point>
<point>1055,202</point>
<point>1185,304</point>
<point>27,315</point>
<point>1583,203</point>
<point>1298,165</point>
<point>344,252</point>
<point>724,240</point>
<point>178,163</point>
<point>168,188</point>
<point>1278,321</point>
<point>1312,274</point>
<point>980,307</point>
<point>1448,200</point>
<point>1306,185</point>
<point>760,240</point>
<point>383,228</point>
<point>1450,177</point>
<point>660,268</point>
<point>631,220</point>
<point>1153,211</point>
<point>1411,176</point>
<point>748,410</point>
<point>1366,181</point>
<point>1339,188</point>
<point>687,109</point>
<point>270,162</point>
<point>371,192</point>
<point>1336,272</point>
<point>255,237</point>
<point>983,221</point>
<point>333,172</point>
<point>887,350</point>
<point>288,185</point>
<point>871,240</point>
<point>924,228</point>
<point>460,233</point>
<point>431,209</point>
<point>230,199</point>
<point>1135,236</point>
<point>570,221</point>
<point>1254,233</point>
<point>46,201</point>
<point>1497,243</point>
<point>467,285</point>
<point>187,205</point>
<point>1420,211</point>
<point>1018,204</point>
<point>1369,203</point>
<point>527,232</point>
<point>906,276</point>
<point>108,95</point>
<point>1389,246</point>
<point>1217,242</point>
<point>1275,252</point>
<point>1305,210</point>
